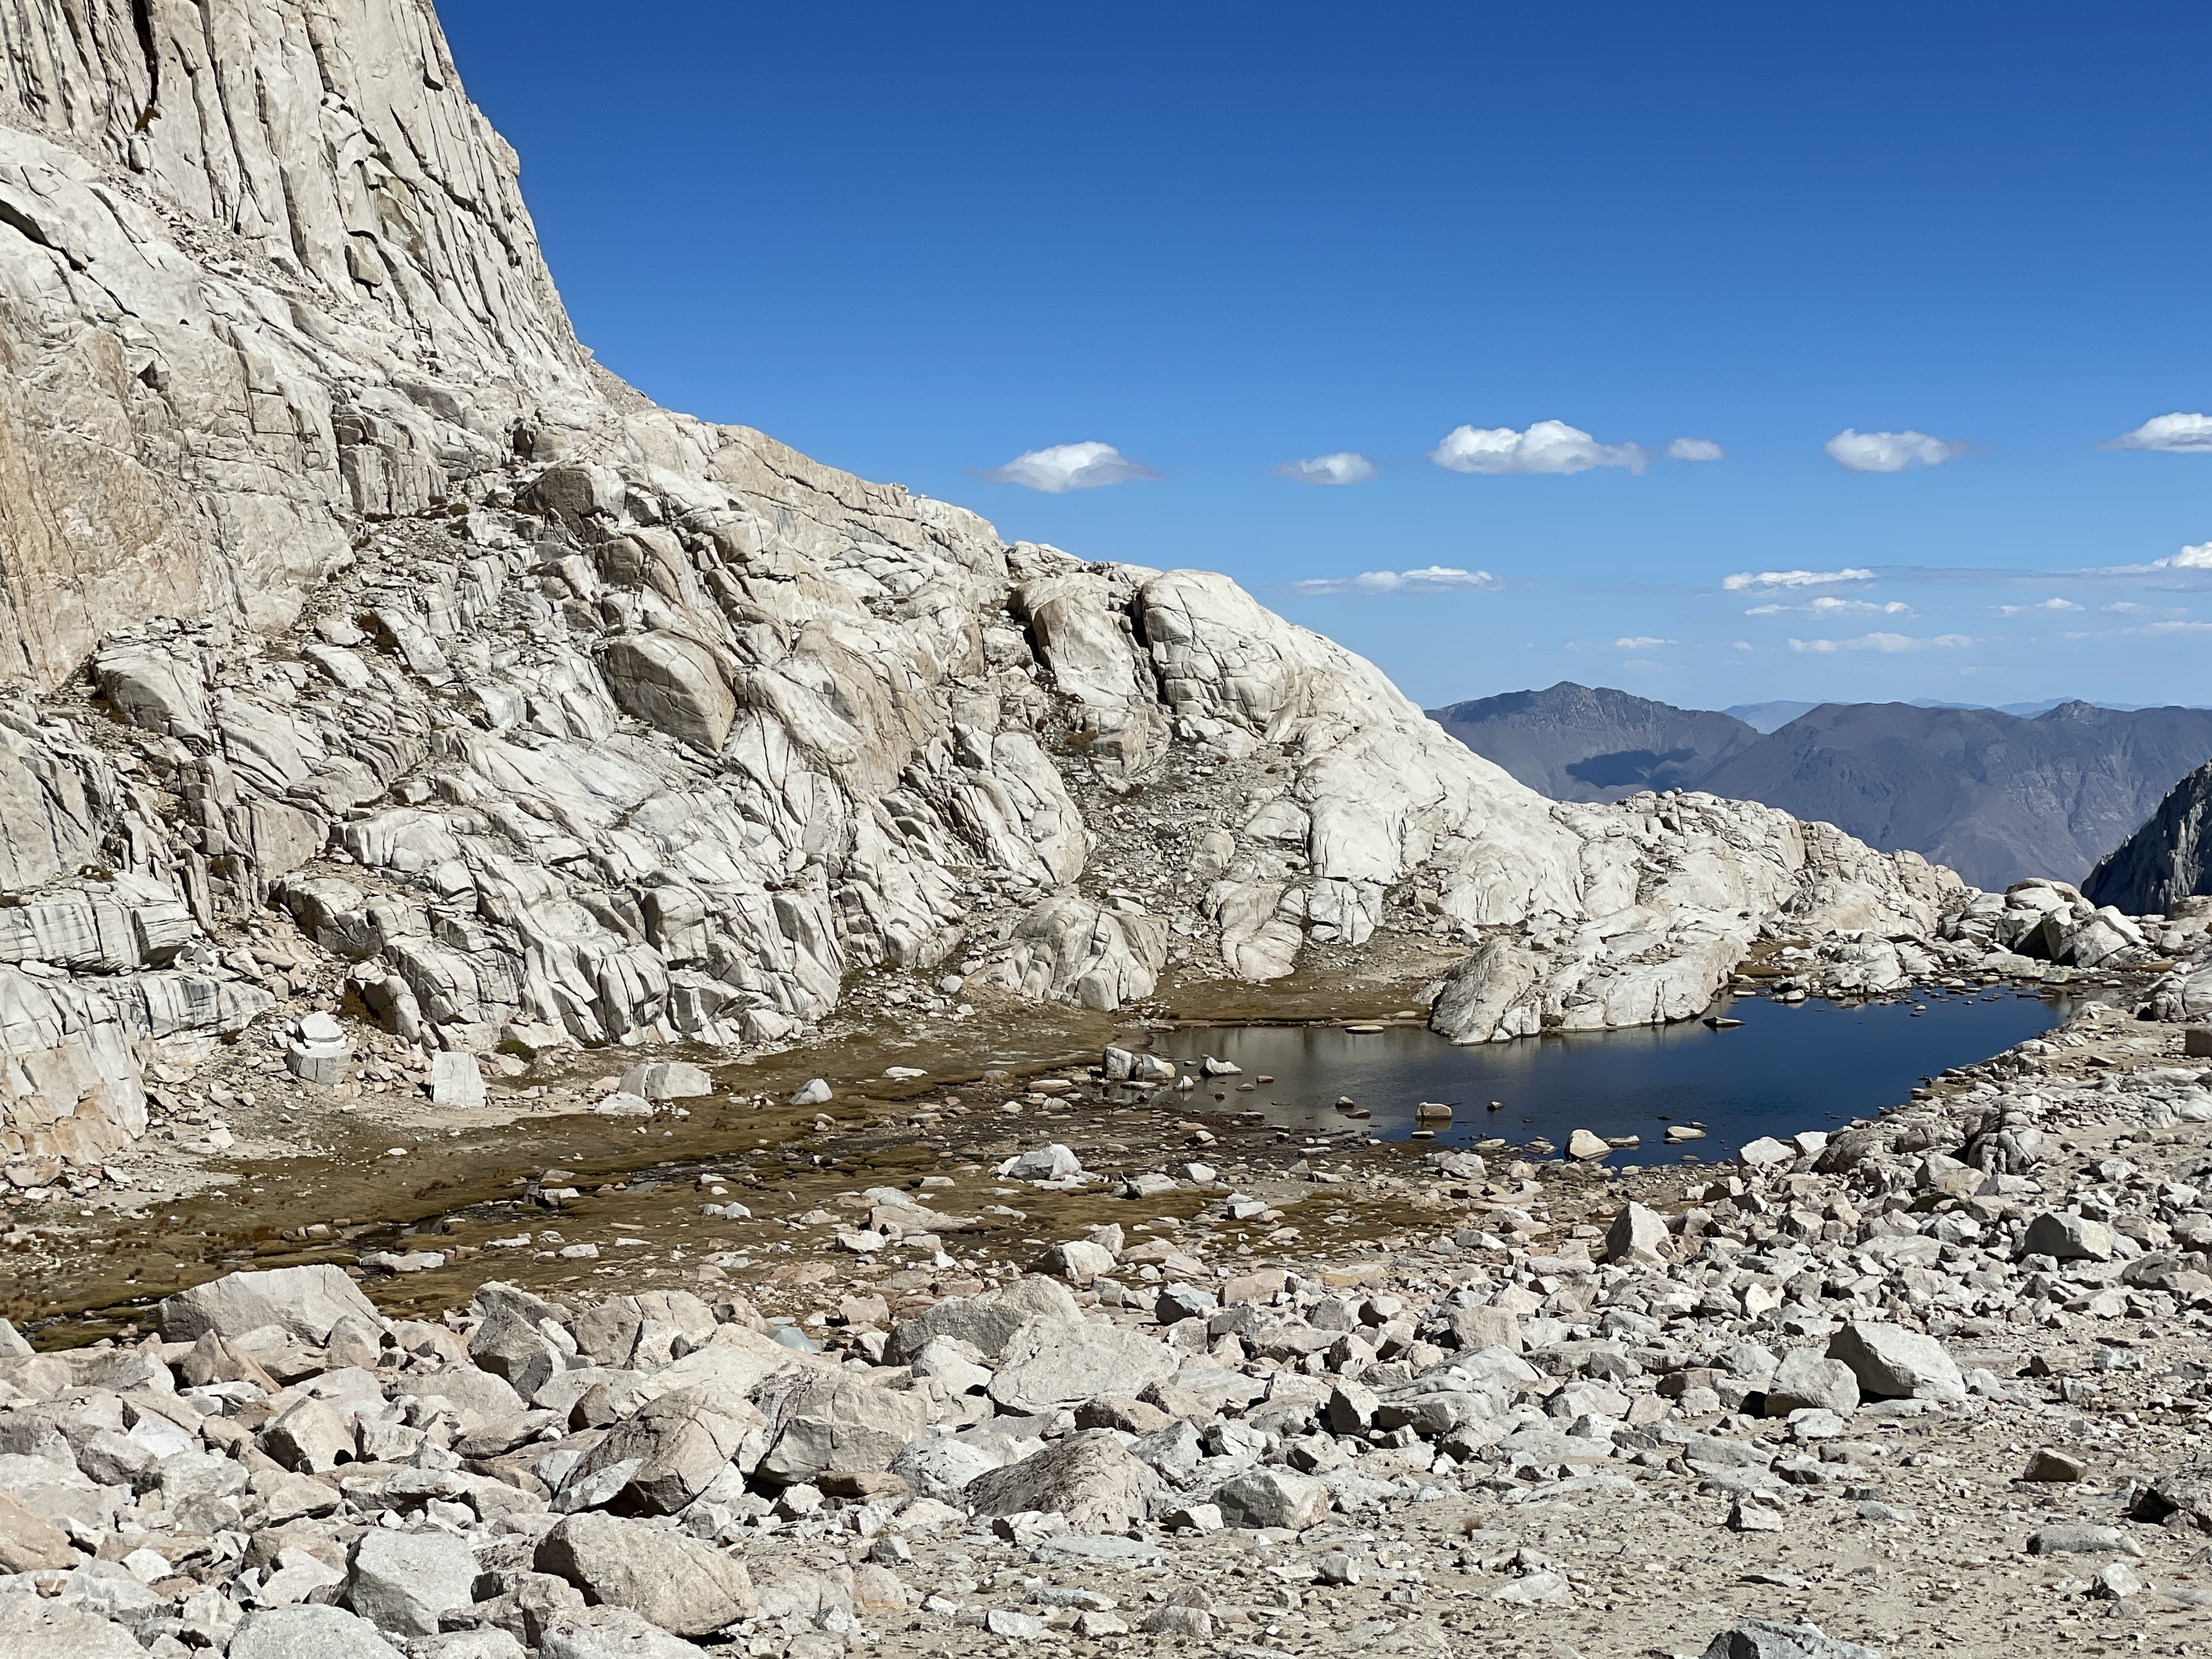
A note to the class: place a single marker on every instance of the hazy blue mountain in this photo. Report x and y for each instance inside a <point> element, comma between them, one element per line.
<point>1769,716</point>
<point>1996,796</point>
<point>1580,743</point>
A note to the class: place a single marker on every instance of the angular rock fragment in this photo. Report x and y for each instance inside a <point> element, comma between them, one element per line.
<point>1892,1363</point>
<point>1761,1638</point>
<point>672,1580</point>
<point>306,1303</point>
<point>1089,1478</point>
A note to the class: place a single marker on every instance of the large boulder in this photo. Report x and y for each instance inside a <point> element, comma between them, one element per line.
<point>512,1346</point>
<point>673,684</point>
<point>1485,998</point>
<point>1273,1498</point>
<point>609,1633</point>
<point>308,1633</point>
<point>1807,1380</point>
<point>985,1321</point>
<point>1049,1363</point>
<point>667,1578</point>
<point>1091,1478</point>
<point>839,1420</point>
<point>306,1302</point>
<point>154,691</point>
<point>32,1627</point>
<point>667,1079</point>
<point>2186,1492</point>
<point>1638,1235</point>
<point>639,1331</point>
<point>402,1581</point>
<point>1892,1363</point>
<point>28,1541</point>
<point>677,1445</point>
<point>2067,1237</point>
<point>1760,1638</point>
<point>475,1396</point>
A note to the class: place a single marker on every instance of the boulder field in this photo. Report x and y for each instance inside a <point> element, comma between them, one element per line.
<point>1946,1369</point>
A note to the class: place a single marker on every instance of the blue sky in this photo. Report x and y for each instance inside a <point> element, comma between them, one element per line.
<point>921,243</point>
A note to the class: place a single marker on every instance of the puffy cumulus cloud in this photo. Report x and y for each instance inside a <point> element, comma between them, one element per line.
<point>1639,642</point>
<point>1888,644</point>
<point>2174,435</point>
<point>1546,446</point>
<point>1345,467</point>
<point>1435,579</point>
<point>1064,467</point>
<point>1829,606</point>
<point>1889,451</point>
<point>1757,578</point>
<point>2196,558</point>
<point>1694,449</point>
<point>2041,606</point>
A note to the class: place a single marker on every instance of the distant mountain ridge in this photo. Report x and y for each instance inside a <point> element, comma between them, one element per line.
<point>1996,796</point>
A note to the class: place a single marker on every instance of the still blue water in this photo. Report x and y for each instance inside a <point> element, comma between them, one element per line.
<point>1788,1067</point>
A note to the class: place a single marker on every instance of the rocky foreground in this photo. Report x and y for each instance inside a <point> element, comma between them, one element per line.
<point>1937,1382</point>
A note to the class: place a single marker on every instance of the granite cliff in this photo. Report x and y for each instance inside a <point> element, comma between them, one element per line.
<point>2165,862</point>
<point>342,587</point>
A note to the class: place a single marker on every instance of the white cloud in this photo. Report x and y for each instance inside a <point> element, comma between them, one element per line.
<point>2130,608</point>
<point>2041,604</point>
<point>1069,466</point>
<point>1828,605</point>
<point>2172,628</point>
<point>1889,451</point>
<point>2175,434</point>
<point>1744,579</point>
<point>1435,579</point>
<point>1695,449</point>
<point>1888,644</point>
<point>2197,556</point>
<point>1546,446</point>
<point>1344,467</point>
<point>1639,642</point>
<point>1741,645</point>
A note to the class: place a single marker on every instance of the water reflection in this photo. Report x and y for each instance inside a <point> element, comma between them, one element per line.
<point>1810,1066</point>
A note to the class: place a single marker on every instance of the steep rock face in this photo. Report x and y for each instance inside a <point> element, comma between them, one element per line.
<point>263,267</point>
<point>347,587</point>
<point>2167,860</point>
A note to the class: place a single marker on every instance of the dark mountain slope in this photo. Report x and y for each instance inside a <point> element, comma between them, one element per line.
<point>1582,743</point>
<point>1995,796</point>
<point>2167,860</point>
